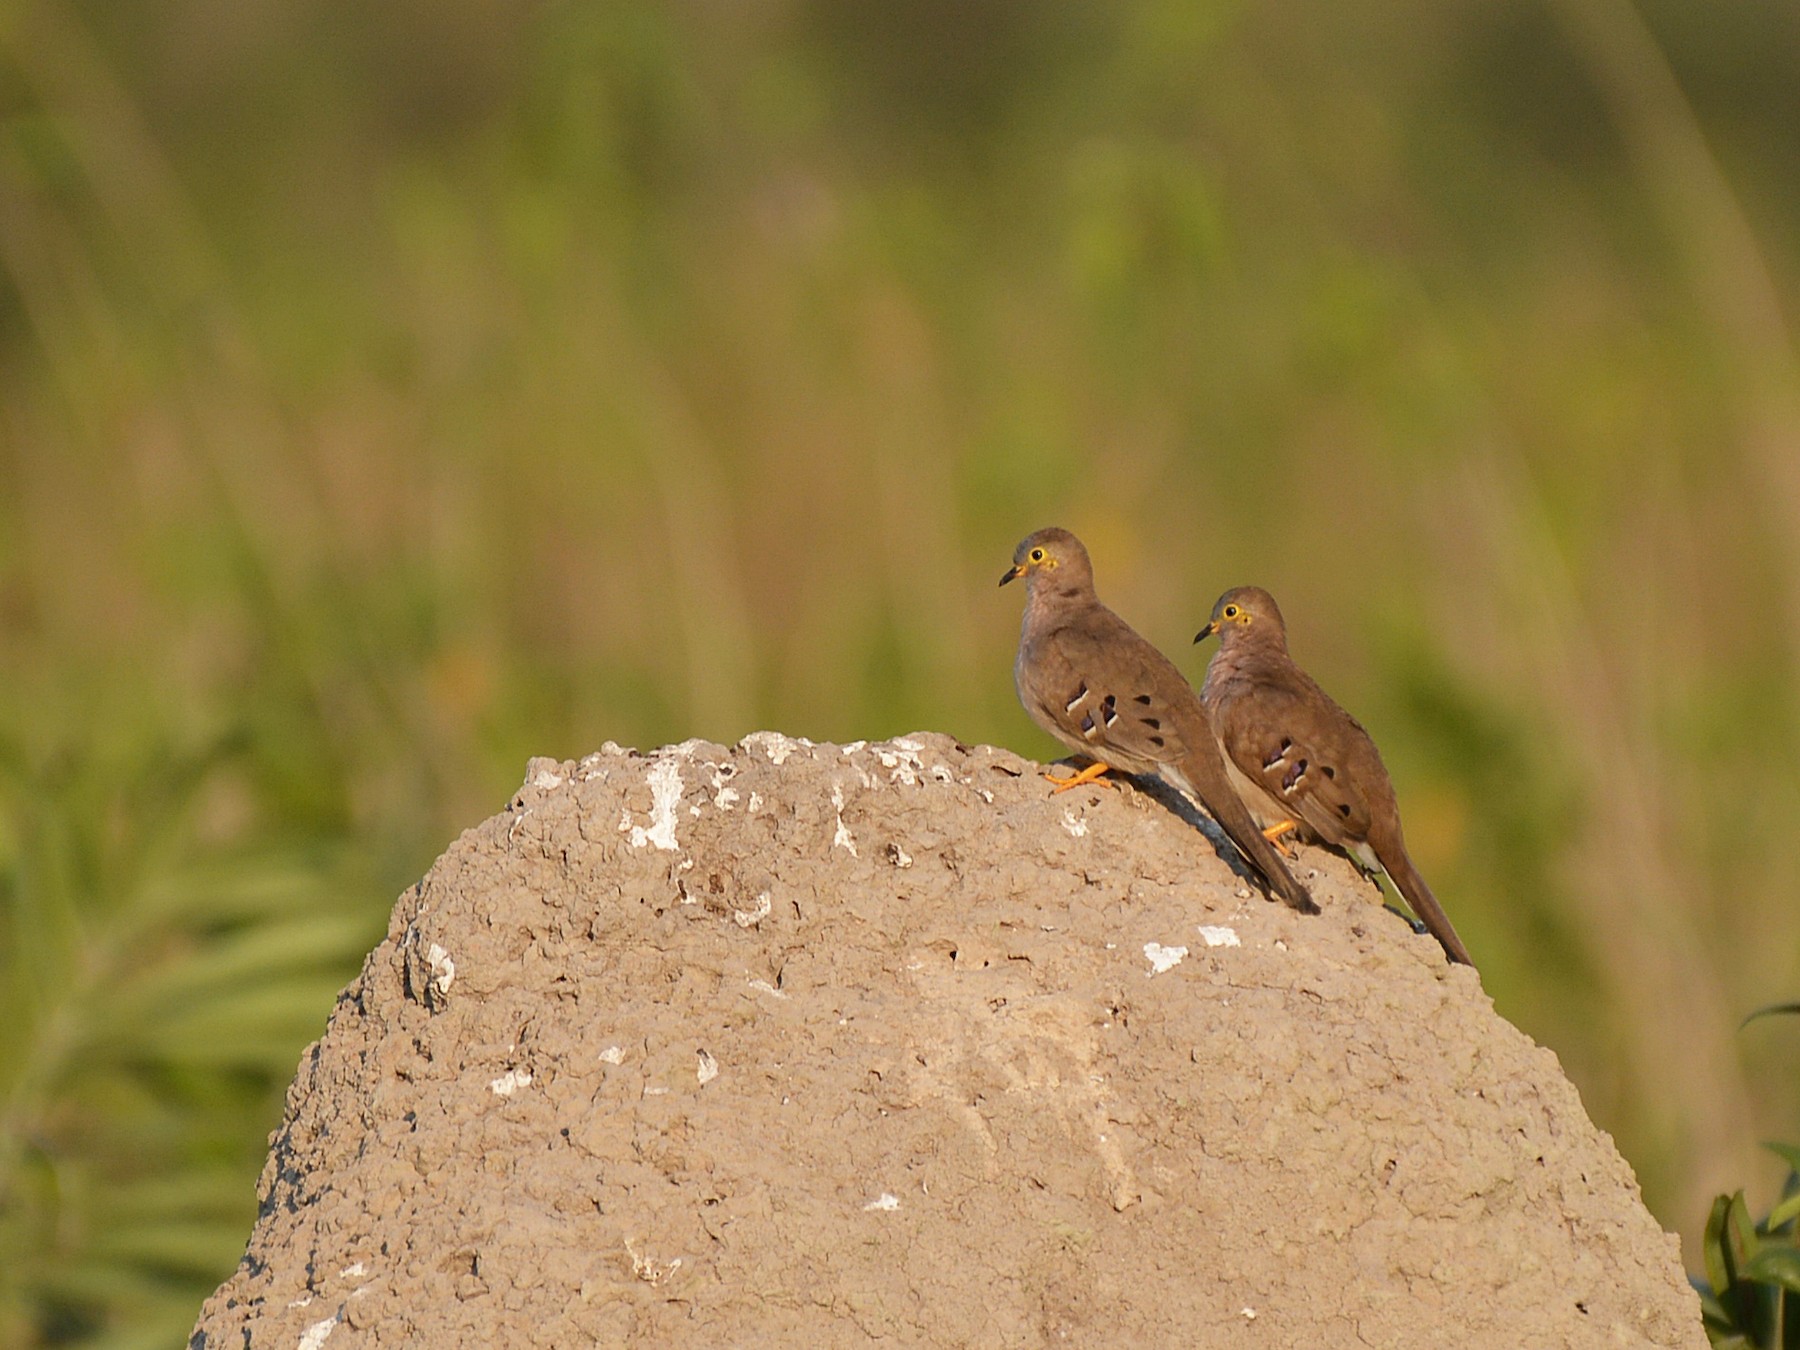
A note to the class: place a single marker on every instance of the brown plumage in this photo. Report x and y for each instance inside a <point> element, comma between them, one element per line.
<point>1297,757</point>
<point>1089,680</point>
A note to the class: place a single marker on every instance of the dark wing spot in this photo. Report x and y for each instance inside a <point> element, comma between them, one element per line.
<point>1158,742</point>
<point>1344,810</point>
<point>1276,758</point>
<point>1080,694</point>
<point>1329,771</point>
<point>1110,706</point>
<point>1151,722</point>
<point>1294,775</point>
<point>1144,699</point>
<point>1087,724</point>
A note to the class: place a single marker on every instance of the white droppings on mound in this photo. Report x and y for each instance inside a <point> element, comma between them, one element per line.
<point>664,779</point>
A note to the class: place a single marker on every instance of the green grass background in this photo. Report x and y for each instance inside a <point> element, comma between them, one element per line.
<point>390,393</point>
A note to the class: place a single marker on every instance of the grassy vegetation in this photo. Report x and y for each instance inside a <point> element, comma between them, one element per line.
<point>386,397</point>
<point>1753,1265</point>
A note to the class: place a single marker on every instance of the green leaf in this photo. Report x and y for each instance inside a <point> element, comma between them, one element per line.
<point>1712,1312</point>
<point>1712,1247</point>
<point>1785,1212</point>
<point>1741,1237</point>
<point>1788,1153</point>
<point>1776,1263</point>
<point>1738,1242</point>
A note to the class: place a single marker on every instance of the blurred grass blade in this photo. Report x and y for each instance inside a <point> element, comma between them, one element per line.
<point>1771,1010</point>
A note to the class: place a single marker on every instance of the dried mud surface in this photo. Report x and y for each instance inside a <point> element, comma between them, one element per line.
<point>791,1044</point>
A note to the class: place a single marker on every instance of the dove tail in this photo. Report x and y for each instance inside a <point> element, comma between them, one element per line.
<point>1261,855</point>
<point>1417,894</point>
<point>1206,782</point>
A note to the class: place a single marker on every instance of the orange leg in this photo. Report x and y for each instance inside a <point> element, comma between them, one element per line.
<point>1087,775</point>
<point>1273,835</point>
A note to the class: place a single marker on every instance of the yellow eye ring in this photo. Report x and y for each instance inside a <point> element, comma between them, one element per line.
<point>1231,611</point>
<point>1037,555</point>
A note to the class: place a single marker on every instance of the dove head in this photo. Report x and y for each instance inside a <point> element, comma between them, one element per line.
<point>1246,614</point>
<point>1051,559</point>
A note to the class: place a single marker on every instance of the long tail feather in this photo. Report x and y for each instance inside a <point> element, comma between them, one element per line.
<point>1418,895</point>
<point>1205,780</point>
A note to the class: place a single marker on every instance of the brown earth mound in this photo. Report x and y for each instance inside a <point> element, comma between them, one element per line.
<point>795,1044</point>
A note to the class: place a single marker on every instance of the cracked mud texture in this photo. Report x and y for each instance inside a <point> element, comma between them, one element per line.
<point>792,1044</point>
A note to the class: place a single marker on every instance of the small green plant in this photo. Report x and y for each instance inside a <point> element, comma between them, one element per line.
<point>1752,1267</point>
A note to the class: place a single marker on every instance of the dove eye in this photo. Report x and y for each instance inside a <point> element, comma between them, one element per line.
<point>1037,555</point>
<point>1232,611</point>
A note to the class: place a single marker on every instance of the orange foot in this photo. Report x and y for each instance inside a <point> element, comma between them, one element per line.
<point>1087,775</point>
<point>1273,835</point>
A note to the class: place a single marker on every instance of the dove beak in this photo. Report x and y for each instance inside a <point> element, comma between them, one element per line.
<point>1017,570</point>
<point>1206,632</point>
